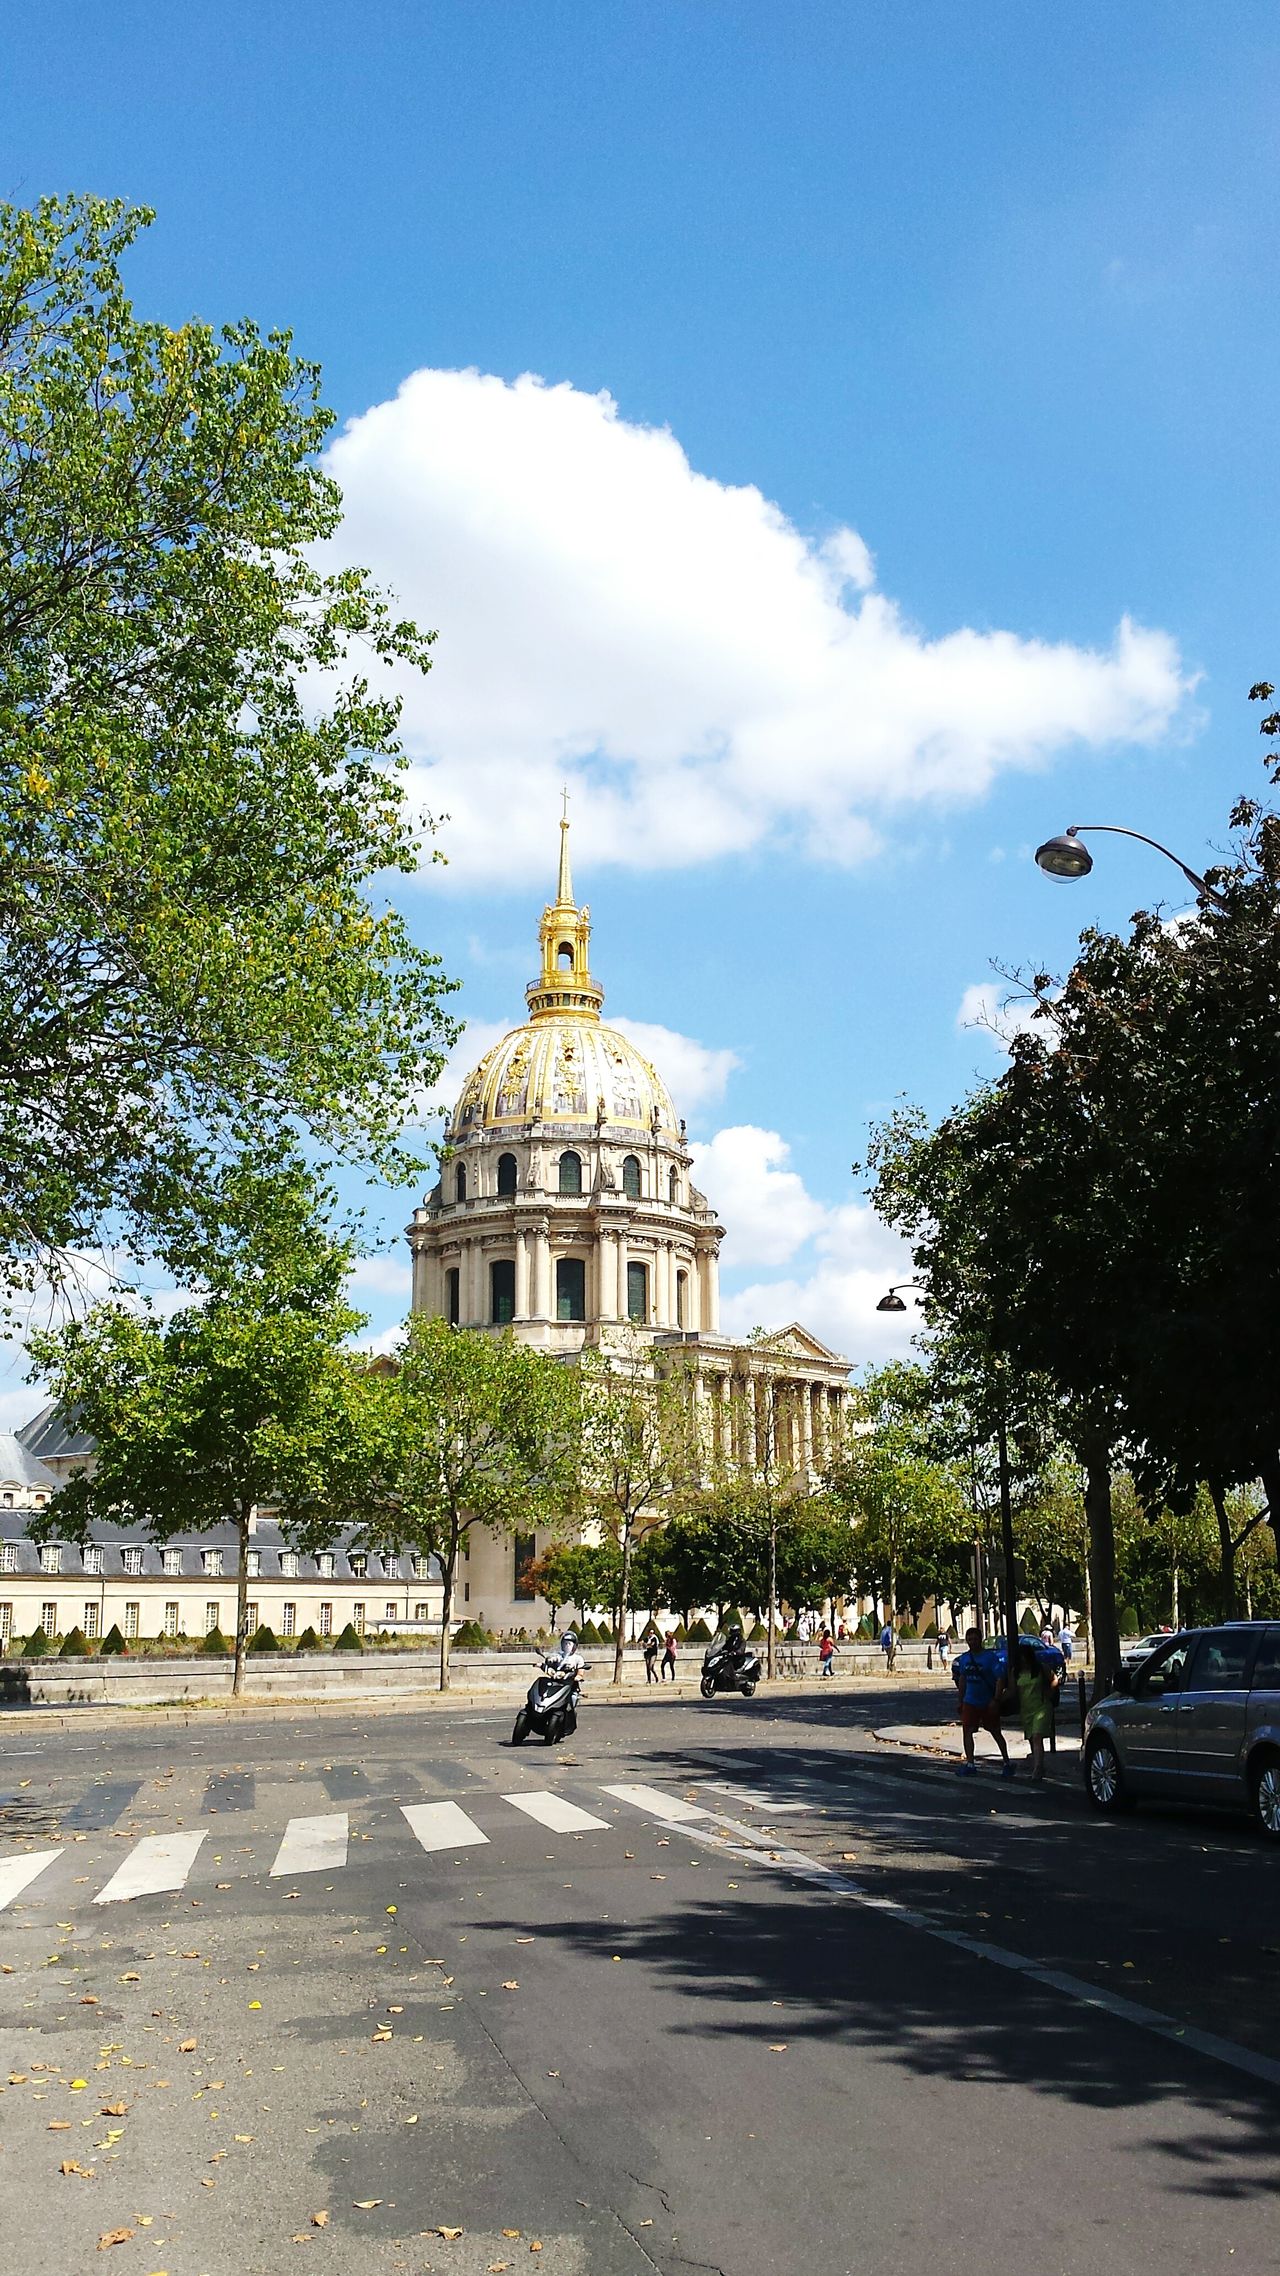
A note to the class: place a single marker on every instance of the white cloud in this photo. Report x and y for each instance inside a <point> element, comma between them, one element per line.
<point>1001,1015</point>
<point>381,1276</point>
<point>766,1209</point>
<point>843,1259</point>
<point>694,1073</point>
<point>711,676</point>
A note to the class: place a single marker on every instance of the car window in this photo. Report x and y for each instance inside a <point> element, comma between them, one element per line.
<point>1266,1668</point>
<point>1163,1673</point>
<point>1223,1660</point>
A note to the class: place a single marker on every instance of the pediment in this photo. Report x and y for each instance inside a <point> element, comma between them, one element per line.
<point>797,1342</point>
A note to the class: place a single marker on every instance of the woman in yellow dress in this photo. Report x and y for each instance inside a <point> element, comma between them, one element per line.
<point>1037,1692</point>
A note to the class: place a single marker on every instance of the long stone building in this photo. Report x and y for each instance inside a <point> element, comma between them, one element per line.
<point>566,1214</point>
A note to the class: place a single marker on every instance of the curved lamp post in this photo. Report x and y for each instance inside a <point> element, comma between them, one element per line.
<point>1066,858</point>
<point>893,1302</point>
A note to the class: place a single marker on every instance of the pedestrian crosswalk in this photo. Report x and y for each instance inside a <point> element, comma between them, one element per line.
<point>163,1862</point>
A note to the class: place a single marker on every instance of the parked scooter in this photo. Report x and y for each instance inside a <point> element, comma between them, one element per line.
<point>551,1710</point>
<point>729,1665</point>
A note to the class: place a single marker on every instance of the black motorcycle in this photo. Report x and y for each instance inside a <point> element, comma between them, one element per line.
<point>721,1671</point>
<point>551,1710</point>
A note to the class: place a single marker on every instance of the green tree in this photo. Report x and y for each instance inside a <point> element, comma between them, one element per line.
<point>640,1452</point>
<point>902,1503</point>
<point>244,1399</point>
<point>199,793</point>
<point>815,1552</point>
<point>584,1573</point>
<point>467,1429</point>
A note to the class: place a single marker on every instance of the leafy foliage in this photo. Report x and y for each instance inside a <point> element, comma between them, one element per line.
<point>198,793</point>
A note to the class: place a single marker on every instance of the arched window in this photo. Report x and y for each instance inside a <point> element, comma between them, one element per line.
<point>631,1177</point>
<point>502,1292</point>
<point>571,1173</point>
<point>682,1299</point>
<point>673,1185</point>
<point>638,1294</point>
<point>506,1173</point>
<point>564,956</point>
<point>460,1182</point>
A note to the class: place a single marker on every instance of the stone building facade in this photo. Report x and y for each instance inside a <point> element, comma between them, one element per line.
<point>566,1214</point>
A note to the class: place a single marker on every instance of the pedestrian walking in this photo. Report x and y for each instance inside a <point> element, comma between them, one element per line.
<point>826,1653</point>
<point>651,1656</point>
<point>669,1656</point>
<point>979,1683</point>
<point>1037,1692</point>
<point>1065,1645</point>
<point>888,1644</point>
<point>944,1648</point>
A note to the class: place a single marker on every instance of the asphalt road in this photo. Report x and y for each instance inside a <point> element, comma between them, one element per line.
<point>778,2005</point>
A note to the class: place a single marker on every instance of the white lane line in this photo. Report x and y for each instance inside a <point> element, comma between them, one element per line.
<point>442,1825</point>
<point>312,1845</point>
<point>16,1872</point>
<point>749,1848</point>
<point>750,1795</point>
<point>553,1811</point>
<point>158,1862</point>
<point>669,1807</point>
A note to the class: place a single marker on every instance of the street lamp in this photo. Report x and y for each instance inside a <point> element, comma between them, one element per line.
<point>892,1302</point>
<point>1066,858</point>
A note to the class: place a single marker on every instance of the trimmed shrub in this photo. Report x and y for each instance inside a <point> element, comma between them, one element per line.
<point>931,1630</point>
<point>350,1640</point>
<point>113,1642</point>
<point>262,1640</point>
<point>907,1634</point>
<point>308,1641</point>
<point>36,1646</point>
<point>75,1646</point>
<point>588,1633</point>
<point>699,1633</point>
<point>759,1634</point>
<point>1130,1625</point>
<point>471,1637</point>
<point>682,1633</point>
<point>1029,1624</point>
<point>215,1644</point>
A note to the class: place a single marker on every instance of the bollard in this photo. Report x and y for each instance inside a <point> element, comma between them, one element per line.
<point>929,1657</point>
<point>1083,1702</point>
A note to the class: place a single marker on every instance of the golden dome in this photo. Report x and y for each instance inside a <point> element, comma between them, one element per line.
<point>564,1070</point>
<point>564,1065</point>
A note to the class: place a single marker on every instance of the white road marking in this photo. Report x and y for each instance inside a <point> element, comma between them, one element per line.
<point>16,1872</point>
<point>553,1811</point>
<point>160,1861</point>
<point>756,1800</point>
<point>313,1845</point>
<point>442,1825</point>
<point>668,1807</point>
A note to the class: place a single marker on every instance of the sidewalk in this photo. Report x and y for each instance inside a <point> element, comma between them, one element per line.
<point>943,1740</point>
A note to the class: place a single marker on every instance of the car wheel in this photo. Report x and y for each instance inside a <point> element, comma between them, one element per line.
<point>1104,1779</point>
<point>1265,1787</point>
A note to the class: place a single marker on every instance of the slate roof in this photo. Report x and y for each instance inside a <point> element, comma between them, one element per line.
<point>19,1467</point>
<point>55,1435</point>
<point>267,1539</point>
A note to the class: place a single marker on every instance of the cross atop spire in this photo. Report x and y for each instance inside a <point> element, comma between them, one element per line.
<point>565,984</point>
<point>564,890</point>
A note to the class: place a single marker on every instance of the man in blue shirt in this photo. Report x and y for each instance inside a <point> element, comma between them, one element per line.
<point>979,1681</point>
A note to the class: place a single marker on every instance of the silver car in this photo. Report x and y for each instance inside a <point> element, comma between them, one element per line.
<point>1198,1722</point>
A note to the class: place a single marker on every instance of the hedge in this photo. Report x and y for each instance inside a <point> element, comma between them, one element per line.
<point>350,1639</point>
<point>36,1646</point>
<point>262,1640</point>
<point>215,1644</point>
<point>308,1641</point>
<point>75,1646</point>
<point>113,1642</point>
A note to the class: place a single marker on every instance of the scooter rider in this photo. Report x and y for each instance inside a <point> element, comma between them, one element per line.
<point>735,1644</point>
<point>569,1656</point>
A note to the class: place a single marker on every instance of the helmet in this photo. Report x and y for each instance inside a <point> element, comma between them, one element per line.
<point>568,1640</point>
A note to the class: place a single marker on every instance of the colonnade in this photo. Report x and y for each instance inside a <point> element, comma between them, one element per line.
<point>606,1252</point>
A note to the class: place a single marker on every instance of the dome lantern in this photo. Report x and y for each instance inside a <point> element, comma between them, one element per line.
<point>565,985</point>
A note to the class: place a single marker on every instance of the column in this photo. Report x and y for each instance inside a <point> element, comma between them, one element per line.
<point>806,1429</point>
<point>724,1387</point>
<point>477,1311</point>
<point>609,1309</point>
<point>543,1306</point>
<point>664,1309</point>
<point>522,1274</point>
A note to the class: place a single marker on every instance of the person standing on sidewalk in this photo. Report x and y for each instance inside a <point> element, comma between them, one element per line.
<point>651,1655</point>
<point>888,1645</point>
<point>1037,1692</point>
<point>669,1656</point>
<point>826,1653</point>
<point>979,1682</point>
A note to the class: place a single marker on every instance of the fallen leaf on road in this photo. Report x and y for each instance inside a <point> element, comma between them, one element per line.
<point>255,2003</point>
<point>511,1984</point>
<point>367,2204</point>
<point>243,2137</point>
<point>450,2235</point>
<point>187,2046</point>
<point>779,2050</point>
<point>524,1940</point>
<point>393,1908</point>
<point>90,1999</point>
<point>77,2084</point>
<point>73,2165</point>
<point>113,2236</point>
<point>59,2126</point>
<point>113,2110</point>
<point>131,1979</point>
<point>320,2220</point>
<point>535,2244</point>
<point>379,2035</point>
<point>496,2267</point>
<point>511,2232</point>
<point>17,2078</point>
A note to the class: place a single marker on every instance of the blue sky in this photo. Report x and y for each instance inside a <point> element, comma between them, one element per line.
<point>991,288</point>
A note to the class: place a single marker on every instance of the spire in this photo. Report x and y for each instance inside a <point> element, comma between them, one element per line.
<point>564,984</point>
<point>564,890</point>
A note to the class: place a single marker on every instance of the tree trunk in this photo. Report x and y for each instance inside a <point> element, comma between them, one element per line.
<point>619,1636</point>
<point>446,1606</point>
<point>773,1591</point>
<point>1173,1603</point>
<point>242,1595</point>
<point>1102,1561</point>
<point>1227,1552</point>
